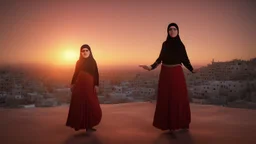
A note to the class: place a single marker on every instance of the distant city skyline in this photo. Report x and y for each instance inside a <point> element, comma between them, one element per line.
<point>124,33</point>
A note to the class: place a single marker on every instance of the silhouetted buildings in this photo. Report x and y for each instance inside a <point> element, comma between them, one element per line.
<point>221,83</point>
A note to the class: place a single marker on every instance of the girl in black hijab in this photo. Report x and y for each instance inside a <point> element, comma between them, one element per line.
<point>84,110</point>
<point>172,108</point>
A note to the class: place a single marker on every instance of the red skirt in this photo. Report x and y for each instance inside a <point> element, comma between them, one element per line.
<point>172,109</point>
<point>84,109</point>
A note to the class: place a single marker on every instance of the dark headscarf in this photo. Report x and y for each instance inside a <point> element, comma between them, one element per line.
<point>169,38</point>
<point>173,42</point>
<point>86,64</point>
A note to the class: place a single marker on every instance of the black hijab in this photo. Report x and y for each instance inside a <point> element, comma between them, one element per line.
<point>86,64</point>
<point>173,42</point>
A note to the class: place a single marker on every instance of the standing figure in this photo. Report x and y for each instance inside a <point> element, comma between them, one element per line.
<point>172,107</point>
<point>84,110</point>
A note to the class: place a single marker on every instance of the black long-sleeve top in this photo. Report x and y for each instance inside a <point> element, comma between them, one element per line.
<point>93,71</point>
<point>170,56</point>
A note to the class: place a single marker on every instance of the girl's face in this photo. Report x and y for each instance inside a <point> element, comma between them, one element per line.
<point>85,52</point>
<point>173,32</point>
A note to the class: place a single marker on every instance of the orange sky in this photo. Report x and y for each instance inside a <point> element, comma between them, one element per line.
<point>124,32</point>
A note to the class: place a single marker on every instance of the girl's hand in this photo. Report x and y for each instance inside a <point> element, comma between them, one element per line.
<point>195,70</point>
<point>96,89</point>
<point>146,67</point>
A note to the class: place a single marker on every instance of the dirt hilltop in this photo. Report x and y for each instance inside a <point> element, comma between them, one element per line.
<point>129,123</point>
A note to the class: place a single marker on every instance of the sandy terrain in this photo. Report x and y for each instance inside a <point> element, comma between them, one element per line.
<point>128,124</point>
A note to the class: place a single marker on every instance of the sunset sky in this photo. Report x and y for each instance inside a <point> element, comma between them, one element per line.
<point>124,32</point>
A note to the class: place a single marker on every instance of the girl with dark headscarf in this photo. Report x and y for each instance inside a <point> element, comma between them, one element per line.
<point>84,110</point>
<point>172,109</point>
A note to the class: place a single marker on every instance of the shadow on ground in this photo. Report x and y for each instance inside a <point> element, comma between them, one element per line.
<point>83,138</point>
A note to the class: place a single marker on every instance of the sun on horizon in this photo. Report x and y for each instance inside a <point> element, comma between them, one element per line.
<point>69,56</point>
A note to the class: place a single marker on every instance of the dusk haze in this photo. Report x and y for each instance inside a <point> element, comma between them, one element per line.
<point>124,33</point>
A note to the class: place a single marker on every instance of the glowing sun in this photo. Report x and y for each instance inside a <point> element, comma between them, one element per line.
<point>70,56</point>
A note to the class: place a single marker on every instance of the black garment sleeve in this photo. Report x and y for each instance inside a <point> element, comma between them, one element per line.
<point>96,75</point>
<point>185,60</point>
<point>75,74</point>
<point>159,59</point>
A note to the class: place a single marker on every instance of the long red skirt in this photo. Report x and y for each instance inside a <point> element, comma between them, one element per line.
<point>84,110</point>
<point>172,109</point>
